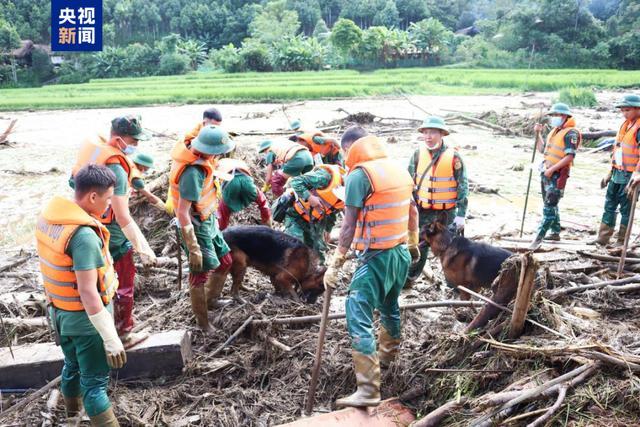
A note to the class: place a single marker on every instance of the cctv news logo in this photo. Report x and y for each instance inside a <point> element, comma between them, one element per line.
<point>76,25</point>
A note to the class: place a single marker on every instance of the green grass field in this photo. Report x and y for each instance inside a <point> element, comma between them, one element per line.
<point>265,87</point>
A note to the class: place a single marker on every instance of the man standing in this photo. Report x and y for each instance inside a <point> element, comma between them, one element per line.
<point>210,117</point>
<point>440,182</point>
<point>559,152</point>
<point>126,236</point>
<point>79,283</point>
<point>379,220</point>
<point>239,191</point>
<point>317,202</point>
<point>194,193</point>
<point>624,164</point>
<point>293,158</point>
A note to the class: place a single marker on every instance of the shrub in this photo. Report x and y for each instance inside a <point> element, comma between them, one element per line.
<point>577,97</point>
<point>227,58</point>
<point>172,64</point>
<point>255,56</point>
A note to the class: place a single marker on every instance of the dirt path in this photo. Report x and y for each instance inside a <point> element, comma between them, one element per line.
<point>46,144</point>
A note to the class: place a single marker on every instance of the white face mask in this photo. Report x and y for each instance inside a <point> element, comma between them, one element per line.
<point>556,121</point>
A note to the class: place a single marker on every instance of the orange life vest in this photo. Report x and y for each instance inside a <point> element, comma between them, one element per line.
<point>554,148</point>
<point>627,142</point>
<point>182,158</point>
<point>56,226</point>
<point>193,134</point>
<point>331,203</point>
<point>383,222</point>
<point>326,149</point>
<point>96,151</point>
<point>437,187</point>
<point>285,150</point>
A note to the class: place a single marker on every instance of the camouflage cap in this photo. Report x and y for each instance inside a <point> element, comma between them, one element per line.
<point>130,125</point>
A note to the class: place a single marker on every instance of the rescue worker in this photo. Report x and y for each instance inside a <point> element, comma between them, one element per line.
<point>559,153</point>
<point>380,218</point>
<point>284,159</point>
<point>143,163</point>
<point>318,198</point>
<point>194,194</point>
<point>210,117</point>
<point>324,149</point>
<point>79,284</point>
<point>238,192</point>
<point>624,168</point>
<point>440,182</point>
<point>126,237</point>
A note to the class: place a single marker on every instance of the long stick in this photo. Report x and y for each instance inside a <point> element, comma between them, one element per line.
<point>6,334</point>
<point>33,396</point>
<point>627,235</point>
<point>233,336</point>
<point>533,158</point>
<point>311,395</point>
<point>179,258</point>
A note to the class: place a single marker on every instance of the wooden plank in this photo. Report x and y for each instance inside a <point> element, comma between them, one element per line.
<point>528,270</point>
<point>164,353</point>
<point>389,413</point>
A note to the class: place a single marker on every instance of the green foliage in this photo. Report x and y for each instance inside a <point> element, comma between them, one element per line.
<point>345,35</point>
<point>321,31</point>
<point>478,52</point>
<point>388,16</point>
<point>255,56</point>
<point>172,64</point>
<point>372,43</point>
<point>431,36</point>
<point>308,13</point>
<point>227,58</point>
<point>41,65</point>
<point>625,50</point>
<point>194,50</point>
<point>297,54</point>
<point>274,23</point>
<point>577,97</point>
<point>9,38</point>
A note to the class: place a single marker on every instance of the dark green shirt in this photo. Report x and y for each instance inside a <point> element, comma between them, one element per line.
<point>240,192</point>
<point>459,173</point>
<point>303,184</point>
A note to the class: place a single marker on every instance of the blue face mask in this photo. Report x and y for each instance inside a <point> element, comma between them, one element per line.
<point>129,150</point>
<point>556,121</point>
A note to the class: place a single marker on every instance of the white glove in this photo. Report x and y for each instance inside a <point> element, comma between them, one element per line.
<point>459,222</point>
<point>140,245</point>
<point>103,322</point>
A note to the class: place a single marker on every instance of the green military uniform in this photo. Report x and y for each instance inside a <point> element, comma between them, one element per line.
<point>552,192</point>
<point>329,159</point>
<point>427,216</point>
<point>312,234</point>
<point>616,196</point>
<point>377,281</point>
<point>207,233</point>
<point>240,192</point>
<point>301,162</point>
<point>85,371</point>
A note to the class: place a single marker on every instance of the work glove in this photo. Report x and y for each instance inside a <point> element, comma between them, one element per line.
<point>161,206</point>
<point>140,245</point>
<point>413,246</point>
<point>266,187</point>
<point>103,322</point>
<point>333,266</point>
<point>605,181</point>
<point>459,223</point>
<point>195,254</point>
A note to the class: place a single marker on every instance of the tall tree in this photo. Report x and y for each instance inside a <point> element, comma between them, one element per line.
<point>275,22</point>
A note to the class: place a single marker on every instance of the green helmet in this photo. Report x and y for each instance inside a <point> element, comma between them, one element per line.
<point>434,122</point>
<point>143,159</point>
<point>265,145</point>
<point>629,100</point>
<point>560,108</point>
<point>213,140</point>
<point>295,125</point>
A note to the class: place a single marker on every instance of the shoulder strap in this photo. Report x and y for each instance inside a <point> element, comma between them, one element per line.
<point>424,174</point>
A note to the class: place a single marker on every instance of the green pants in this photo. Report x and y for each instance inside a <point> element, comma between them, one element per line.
<point>551,196</point>
<point>376,284</point>
<point>616,197</point>
<point>85,372</point>
<point>211,242</point>
<point>427,216</point>
<point>311,234</point>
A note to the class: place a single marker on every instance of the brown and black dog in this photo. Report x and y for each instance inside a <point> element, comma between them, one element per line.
<point>290,264</point>
<point>465,263</point>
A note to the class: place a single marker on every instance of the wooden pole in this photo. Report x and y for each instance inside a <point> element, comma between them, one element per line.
<point>528,268</point>
<point>533,159</point>
<point>315,373</point>
<point>627,235</point>
<point>179,257</point>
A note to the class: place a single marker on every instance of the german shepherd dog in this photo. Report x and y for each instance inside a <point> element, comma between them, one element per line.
<point>465,263</point>
<point>290,264</point>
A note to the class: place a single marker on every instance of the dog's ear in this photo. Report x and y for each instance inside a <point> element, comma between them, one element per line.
<point>443,218</point>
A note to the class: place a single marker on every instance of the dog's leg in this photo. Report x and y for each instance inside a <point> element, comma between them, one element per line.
<point>286,286</point>
<point>238,270</point>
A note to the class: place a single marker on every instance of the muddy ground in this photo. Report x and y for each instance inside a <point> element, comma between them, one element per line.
<point>254,383</point>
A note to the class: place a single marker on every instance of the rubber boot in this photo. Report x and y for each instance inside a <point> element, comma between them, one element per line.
<point>72,406</point>
<point>622,232</point>
<point>604,234</point>
<point>215,285</point>
<point>368,380</point>
<point>105,419</point>
<point>554,237</point>
<point>199,308</point>
<point>387,347</point>
<point>537,241</point>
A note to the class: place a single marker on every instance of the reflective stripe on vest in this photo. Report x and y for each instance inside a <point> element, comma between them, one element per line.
<point>439,188</point>
<point>326,195</point>
<point>383,222</point>
<point>96,151</point>
<point>183,158</point>
<point>555,146</point>
<point>626,141</point>
<point>56,226</point>
<point>285,150</point>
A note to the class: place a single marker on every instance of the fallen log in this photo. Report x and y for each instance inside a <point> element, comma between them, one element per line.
<point>483,123</point>
<point>566,291</point>
<point>19,322</point>
<point>7,132</point>
<point>608,257</point>
<point>334,316</point>
<point>598,134</point>
<point>435,417</point>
